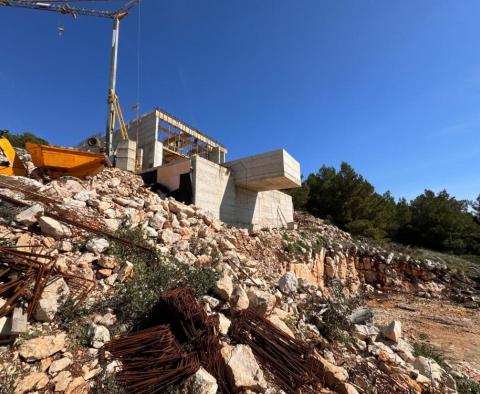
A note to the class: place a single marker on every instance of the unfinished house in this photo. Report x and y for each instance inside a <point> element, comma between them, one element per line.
<point>185,163</point>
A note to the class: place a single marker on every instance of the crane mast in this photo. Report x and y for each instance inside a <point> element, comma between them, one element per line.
<point>64,8</point>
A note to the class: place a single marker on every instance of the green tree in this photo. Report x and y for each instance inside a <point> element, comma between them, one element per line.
<point>476,209</point>
<point>18,140</point>
<point>300,196</point>
<point>351,202</point>
<point>441,222</point>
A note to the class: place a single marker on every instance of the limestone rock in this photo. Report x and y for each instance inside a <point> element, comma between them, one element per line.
<point>42,347</point>
<point>30,215</point>
<point>108,262</point>
<point>280,324</point>
<point>261,301</point>
<point>200,383</point>
<point>393,331</point>
<point>239,299</point>
<point>224,286</point>
<point>62,380</point>
<point>363,332</point>
<point>429,368</point>
<point>53,228</point>
<point>59,365</point>
<point>97,245</point>
<point>288,283</point>
<point>157,221</point>
<point>100,336</point>
<point>50,300</point>
<point>223,323</point>
<point>32,382</point>
<point>126,272</point>
<point>77,386</point>
<point>243,370</point>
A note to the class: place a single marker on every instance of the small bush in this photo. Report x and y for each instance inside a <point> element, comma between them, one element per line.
<point>68,312</point>
<point>131,253</point>
<point>335,320</point>
<point>82,335</point>
<point>426,350</point>
<point>8,382</point>
<point>106,384</point>
<point>136,298</point>
<point>8,212</point>
<point>26,336</point>
<point>467,386</point>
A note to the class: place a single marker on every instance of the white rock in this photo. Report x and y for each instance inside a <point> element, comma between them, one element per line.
<point>30,215</point>
<point>239,299</point>
<point>53,228</point>
<point>242,369</point>
<point>281,325</point>
<point>261,301</point>
<point>42,347</point>
<point>393,331</point>
<point>223,323</point>
<point>50,300</point>
<point>62,380</point>
<point>224,286</point>
<point>126,272</point>
<point>100,336</point>
<point>97,245</point>
<point>59,365</point>
<point>157,221</point>
<point>288,282</point>
<point>200,383</point>
<point>32,382</point>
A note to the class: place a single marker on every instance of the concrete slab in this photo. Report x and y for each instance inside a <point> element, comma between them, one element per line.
<point>275,170</point>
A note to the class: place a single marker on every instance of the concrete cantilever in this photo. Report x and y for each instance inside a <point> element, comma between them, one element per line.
<point>274,170</point>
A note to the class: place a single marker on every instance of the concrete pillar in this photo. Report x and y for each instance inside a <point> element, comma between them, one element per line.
<point>126,154</point>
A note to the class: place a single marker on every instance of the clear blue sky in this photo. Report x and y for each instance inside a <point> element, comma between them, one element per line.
<point>392,87</point>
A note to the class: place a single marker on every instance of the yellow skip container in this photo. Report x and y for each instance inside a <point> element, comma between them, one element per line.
<point>56,161</point>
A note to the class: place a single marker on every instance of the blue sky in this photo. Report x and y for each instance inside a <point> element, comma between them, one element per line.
<point>393,88</point>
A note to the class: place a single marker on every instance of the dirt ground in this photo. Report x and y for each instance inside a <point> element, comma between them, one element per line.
<point>449,327</point>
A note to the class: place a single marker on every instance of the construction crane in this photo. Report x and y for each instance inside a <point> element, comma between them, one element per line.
<point>117,15</point>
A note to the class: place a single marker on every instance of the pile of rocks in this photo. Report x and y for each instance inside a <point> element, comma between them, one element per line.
<point>281,274</point>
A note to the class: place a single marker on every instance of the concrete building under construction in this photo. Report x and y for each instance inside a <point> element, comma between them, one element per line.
<point>193,167</point>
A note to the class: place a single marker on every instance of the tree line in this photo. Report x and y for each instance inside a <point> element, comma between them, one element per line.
<point>431,220</point>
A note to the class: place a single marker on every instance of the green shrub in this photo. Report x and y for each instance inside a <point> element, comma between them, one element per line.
<point>467,386</point>
<point>137,297</point>
<point>427,350</point>
<point>106,384</point>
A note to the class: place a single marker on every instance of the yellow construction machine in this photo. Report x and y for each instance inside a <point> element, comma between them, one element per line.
<point>10,163</point>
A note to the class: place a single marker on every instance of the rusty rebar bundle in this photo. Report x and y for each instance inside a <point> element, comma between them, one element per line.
<point>151,360</point>
<point>24,276</point>
<point>195,330</point>
<point>289,360</point>
<point>177,339</point>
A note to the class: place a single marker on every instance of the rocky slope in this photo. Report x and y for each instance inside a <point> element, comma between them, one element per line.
<point>306,282</point>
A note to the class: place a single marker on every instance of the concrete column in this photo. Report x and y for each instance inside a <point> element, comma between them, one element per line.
<point>126,154</point>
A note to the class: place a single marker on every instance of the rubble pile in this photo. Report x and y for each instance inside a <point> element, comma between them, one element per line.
<point>294,279</point>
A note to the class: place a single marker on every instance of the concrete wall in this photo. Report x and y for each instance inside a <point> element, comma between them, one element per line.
<point>214,189</point>
<point>169,174</point>
<point>216,192</point>
<point>263,209</point>
<point>147,139</point>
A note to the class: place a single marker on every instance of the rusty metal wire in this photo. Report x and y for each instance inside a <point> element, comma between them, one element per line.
<point>290,361</point>
<point>26,274</point>
<point>151,360</point>
<point>71,217</point>
<point>195,330</point>
<point>177,338</point>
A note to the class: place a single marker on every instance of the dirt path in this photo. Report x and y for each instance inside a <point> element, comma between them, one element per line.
<point>449,327</point>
